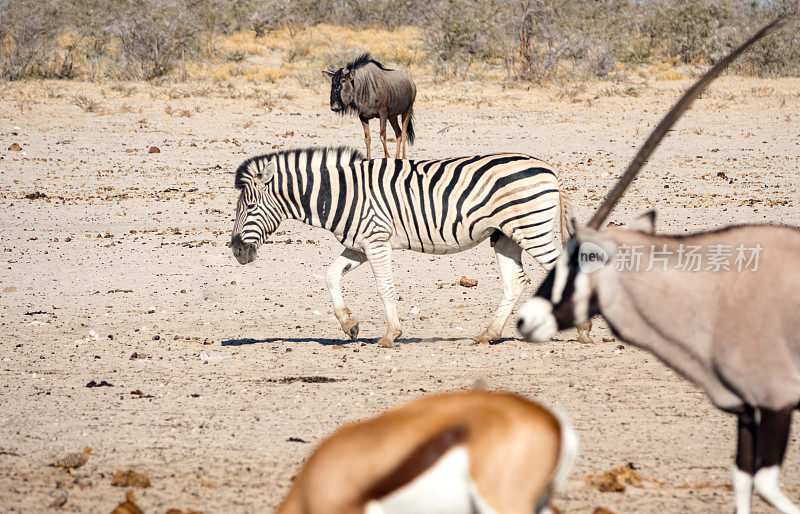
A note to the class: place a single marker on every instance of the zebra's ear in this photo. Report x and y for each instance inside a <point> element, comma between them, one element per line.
<point>264,175</point>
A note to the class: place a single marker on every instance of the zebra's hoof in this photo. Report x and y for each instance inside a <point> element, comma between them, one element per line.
<point>353,332</point>
<point>385,342</point>
<point>484,339</point>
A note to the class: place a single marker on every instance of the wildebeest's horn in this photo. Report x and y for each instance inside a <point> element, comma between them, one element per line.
<point>669,120</point>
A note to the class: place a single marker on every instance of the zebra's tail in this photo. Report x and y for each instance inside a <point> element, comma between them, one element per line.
<point>410,128</point>
<point>567,218</point>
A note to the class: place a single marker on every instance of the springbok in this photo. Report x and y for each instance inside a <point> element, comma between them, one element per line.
<point>730,327</point>
<point>474,452</point>
<point>366,88</point>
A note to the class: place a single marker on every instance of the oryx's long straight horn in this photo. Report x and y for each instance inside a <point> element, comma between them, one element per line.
<point>669,120</point>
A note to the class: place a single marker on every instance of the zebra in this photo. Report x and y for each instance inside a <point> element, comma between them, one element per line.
<point>432,206</point>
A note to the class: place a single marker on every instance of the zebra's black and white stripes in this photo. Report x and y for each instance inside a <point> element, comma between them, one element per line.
<point>431,206</point>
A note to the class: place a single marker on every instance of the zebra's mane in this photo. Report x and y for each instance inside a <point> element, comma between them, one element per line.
<point>362,60</point>
<point>248,169</point>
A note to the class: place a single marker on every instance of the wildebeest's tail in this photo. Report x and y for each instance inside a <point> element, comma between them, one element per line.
<point>410,129</point>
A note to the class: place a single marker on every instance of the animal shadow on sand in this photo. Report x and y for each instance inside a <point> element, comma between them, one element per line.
<point>242,341</point>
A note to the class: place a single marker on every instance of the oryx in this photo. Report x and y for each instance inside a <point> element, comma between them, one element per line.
<point>735,332</point>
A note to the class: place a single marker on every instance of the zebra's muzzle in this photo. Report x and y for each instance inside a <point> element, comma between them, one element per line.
<point>244,252</point>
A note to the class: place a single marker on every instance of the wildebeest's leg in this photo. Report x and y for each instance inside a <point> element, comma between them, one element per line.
<point>383,135</point>
<point>367,138</point>
<point>509,261</point>
<point>772,434</point>
<point>347,261</point>
<point>380,258</point>
<point>397,135</point>
<point>404,130</point>
<point>745,460</point>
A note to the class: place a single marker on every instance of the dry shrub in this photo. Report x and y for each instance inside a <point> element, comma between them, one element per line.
<point>155,35</point>
<point>615,480</point>
<point>28,30</point>
<point>460,31</point>
<point>87,104</point>
<point>128,506</point>
<point>540,41</point>
<point>130,478</point>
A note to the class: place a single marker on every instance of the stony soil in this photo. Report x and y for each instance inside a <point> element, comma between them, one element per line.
<point>121,274</point>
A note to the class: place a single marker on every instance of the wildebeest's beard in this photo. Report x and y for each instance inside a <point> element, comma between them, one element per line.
<point>342,92</point>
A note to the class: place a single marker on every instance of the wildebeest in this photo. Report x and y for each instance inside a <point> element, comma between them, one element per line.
<point>366,88</point>
<point>712,305</point>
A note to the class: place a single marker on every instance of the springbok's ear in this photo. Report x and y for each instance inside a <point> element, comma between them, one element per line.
<point>265,175</point>
<point>646,223</point>
<point>328,73</point>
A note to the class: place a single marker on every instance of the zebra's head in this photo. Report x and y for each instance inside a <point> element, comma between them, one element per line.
<point>257,213</point>
<point>567,297</point>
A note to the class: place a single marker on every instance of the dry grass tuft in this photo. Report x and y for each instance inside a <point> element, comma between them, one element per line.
<point>130,478</point>
<point>615,480</point>
<point>88,104</point>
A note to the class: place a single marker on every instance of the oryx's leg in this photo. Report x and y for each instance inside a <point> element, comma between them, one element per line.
<point>404,131</point>
<point>397,135</point>
<point>383,135</point>
<point>509,261</point>
<point>772,434</point>
<point>745,460</point>
<point>367,138</point>
<point>346,262</point>
<point>380,258</point>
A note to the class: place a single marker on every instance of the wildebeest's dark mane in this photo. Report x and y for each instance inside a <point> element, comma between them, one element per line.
<point>364,59</point>
<point>246,170</point>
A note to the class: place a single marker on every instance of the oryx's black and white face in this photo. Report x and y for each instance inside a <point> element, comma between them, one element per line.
<point>566,297</point>
<point>257,212</point>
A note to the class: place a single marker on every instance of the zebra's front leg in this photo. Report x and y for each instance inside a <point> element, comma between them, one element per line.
<point>509,262</point>
<point>380,258</point>
<point>346,262</point>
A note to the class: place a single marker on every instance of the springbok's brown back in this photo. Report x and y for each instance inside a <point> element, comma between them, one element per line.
<point>514,448</point>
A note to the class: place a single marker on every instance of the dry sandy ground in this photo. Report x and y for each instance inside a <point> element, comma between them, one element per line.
<point>132,246</point>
